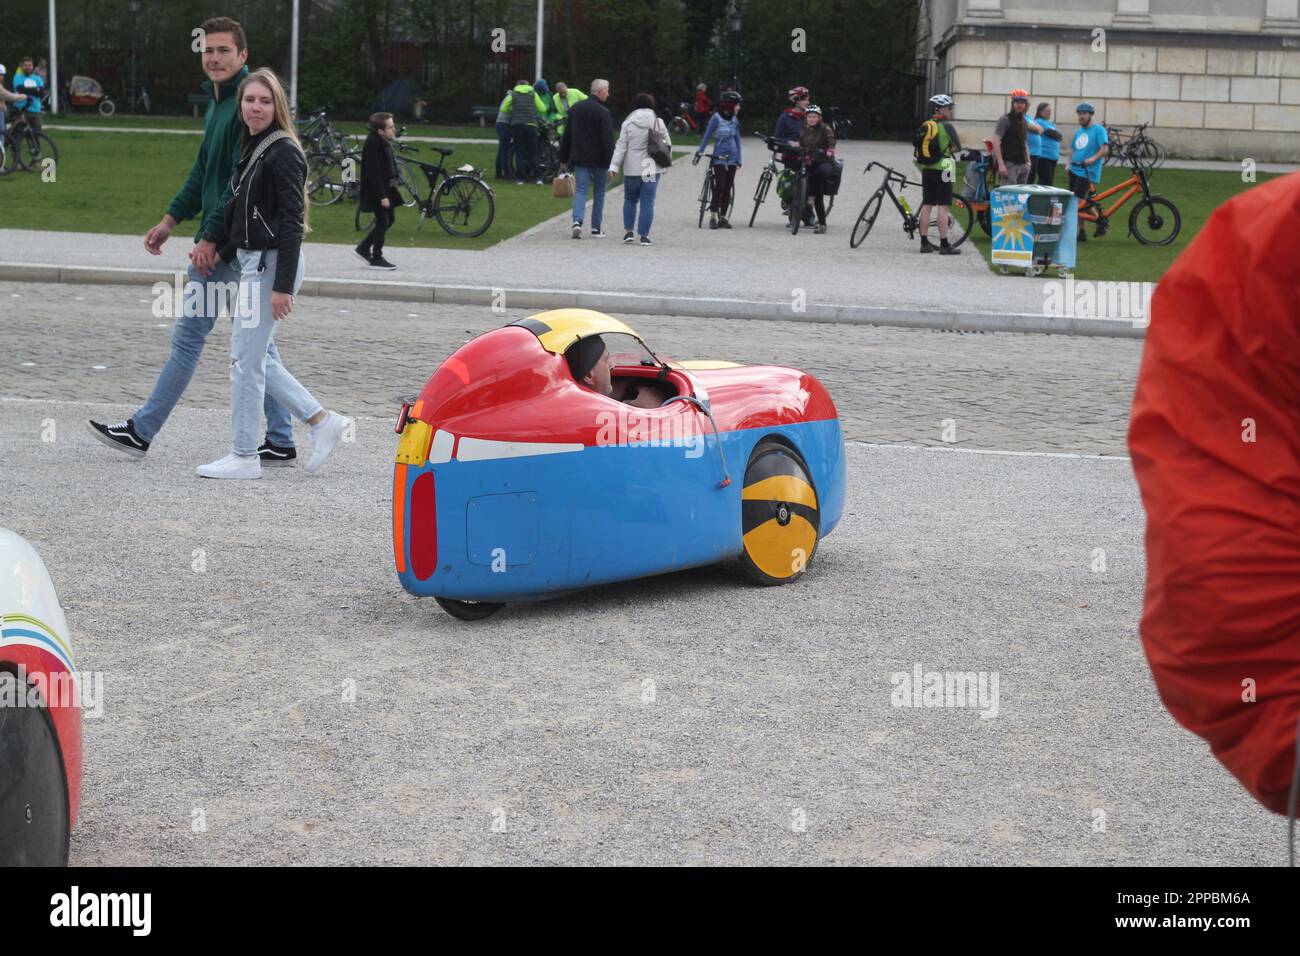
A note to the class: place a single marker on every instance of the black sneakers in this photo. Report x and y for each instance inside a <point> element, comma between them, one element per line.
<point>379,262</point>
<point>121,436</point>
<point>277,456</point>
<point>363,253</point>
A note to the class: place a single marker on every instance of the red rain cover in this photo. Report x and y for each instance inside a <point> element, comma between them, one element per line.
<point>1222,610</point>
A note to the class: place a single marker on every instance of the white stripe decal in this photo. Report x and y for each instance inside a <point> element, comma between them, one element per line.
<point>484,449</point>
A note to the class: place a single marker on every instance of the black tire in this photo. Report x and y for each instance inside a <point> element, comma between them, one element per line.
<point>797,203</point>
<point>780,519</point>
<point>1155,221</point>
<point>325,184</point>
<point>960,220</point>
<point>760,192</point>
<point>107,107</point>
<point>550,160</point>
<point>363,221</point>
<point>32,149</point>
<point>35,823</point>
<point>866,219</point>
<point>463,206</point>
<point>985,219</point>
<point>468,610</point>
<point>407,184</point>
<point>706,193</point>
<point>6,157</point>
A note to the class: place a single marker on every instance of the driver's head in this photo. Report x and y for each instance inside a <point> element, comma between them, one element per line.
<point>589,361</point>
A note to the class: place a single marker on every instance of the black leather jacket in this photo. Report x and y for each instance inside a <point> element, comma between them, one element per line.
<point>266,210</point>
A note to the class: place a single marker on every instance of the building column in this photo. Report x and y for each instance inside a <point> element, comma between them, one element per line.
<point>984,10</point>
<point>1282,16</point>
<point>1132,13</point>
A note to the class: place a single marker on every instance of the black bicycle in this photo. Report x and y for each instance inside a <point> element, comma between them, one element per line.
<point>706,190</point>
<point>959,213</point>
<point>460,200</point>
<point>798,207</point>
<point>24,148</point>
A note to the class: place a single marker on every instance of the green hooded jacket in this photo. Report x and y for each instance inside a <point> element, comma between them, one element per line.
<point>208,186</point>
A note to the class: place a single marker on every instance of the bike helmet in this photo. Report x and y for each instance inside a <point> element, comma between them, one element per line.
<point>1084,108</point>
<point>731,96</point>
<point>940,100</point>
<point>814,109</point>
<point>798,93</point>
<point>1019,94</point>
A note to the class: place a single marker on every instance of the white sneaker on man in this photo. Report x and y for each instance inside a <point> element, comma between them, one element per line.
<point>324,437</point>
<point>232,466</point>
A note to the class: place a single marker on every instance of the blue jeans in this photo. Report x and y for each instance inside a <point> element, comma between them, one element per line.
<point>596,176</point>
<point>256,372</point>
<point>639,191</point>
<point>188,337</point>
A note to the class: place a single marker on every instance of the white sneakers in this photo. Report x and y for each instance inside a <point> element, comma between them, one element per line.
<point>232,466</point>
<point>324,436</point>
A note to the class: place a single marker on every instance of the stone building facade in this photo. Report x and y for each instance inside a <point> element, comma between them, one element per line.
<point>1214,78</point>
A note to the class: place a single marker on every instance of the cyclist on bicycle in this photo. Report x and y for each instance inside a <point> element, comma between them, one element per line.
<point>5,98</point>
<point>936,144</point>
<point>817,136</point>
<point>790,124</point>
<point>1090,144</point>
<point>724,130</point>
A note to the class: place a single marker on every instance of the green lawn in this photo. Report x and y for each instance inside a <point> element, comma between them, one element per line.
<point>1117,256</point>
<point>124,182</point>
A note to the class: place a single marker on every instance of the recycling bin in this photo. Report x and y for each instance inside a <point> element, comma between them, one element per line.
<point>1033,227</point>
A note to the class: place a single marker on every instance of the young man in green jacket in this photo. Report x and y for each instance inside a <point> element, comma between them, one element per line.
<point>203,197</point>
<point>525,109</point>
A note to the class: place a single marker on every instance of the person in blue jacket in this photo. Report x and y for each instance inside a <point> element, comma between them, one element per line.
<point>790,124</point>
<point>724,131</point>
<point>1044,147</point>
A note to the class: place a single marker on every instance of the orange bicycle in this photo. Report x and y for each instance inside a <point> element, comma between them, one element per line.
<point>1155,221</point>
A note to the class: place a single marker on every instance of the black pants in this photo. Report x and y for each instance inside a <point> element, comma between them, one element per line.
<point>374,241</point>
<point>1045,170</point>
<point>724,179</point>
<point>527,163</point>
<point>818,179</point>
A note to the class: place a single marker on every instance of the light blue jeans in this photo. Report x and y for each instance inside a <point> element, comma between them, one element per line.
<point>256,374</point>
<point>639,191</point>
<point>597,177</point>
<point>188,337</point>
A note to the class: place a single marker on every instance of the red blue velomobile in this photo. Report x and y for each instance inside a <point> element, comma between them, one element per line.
<point>514,482</point>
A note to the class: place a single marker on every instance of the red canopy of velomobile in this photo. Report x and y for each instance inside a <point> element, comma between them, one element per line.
<point>1222,365</point>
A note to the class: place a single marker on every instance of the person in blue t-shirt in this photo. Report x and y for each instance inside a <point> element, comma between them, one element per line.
<point>1090,145</point>
<point>1044,147</point>
<point>29,83</point>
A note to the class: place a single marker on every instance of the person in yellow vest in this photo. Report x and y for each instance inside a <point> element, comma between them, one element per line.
<point>565,100</point>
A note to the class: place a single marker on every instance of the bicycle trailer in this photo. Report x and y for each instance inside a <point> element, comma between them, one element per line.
<point>1033,226</point>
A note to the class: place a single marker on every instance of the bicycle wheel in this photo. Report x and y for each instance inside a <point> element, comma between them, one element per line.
<point>32,149</point>
<point>6,154</point>
<point>1161,155</point>
<point>406,184</point>
<point>550,159</point>
<point>324,179</point>
<point>1155,221</point>
<point>706,193</point>
<point>960,218</point>
<point>866,219</point>
<point>731,202</point>
<point>760,193</point>
<point>464,206</point>
<point>364,221</point>
<point>797,203</point>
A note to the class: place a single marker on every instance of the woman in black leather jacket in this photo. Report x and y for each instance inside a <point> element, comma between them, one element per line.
<point>266,217</point>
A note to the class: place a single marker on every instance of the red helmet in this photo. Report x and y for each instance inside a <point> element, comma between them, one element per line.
<point>1019,94</point>
<point>798,93</point>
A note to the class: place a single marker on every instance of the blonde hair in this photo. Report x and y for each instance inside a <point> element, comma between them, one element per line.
<point>282,120</point>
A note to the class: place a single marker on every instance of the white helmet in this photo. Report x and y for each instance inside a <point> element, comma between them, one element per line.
<point>940,100</point>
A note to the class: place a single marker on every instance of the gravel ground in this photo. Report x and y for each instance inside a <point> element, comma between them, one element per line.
<point>689,718</point>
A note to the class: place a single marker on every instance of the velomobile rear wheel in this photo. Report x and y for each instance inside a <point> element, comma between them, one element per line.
<point>468,610</point>
<point>34,817</point>
<point>779,515</point>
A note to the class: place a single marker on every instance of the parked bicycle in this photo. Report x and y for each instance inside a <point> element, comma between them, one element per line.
<point>959,213</point>
<point>1154,221</point>
<point>706,192</point>
<point>319,135</point>
<point>841,125</point>
<point>548,150</point>
<point>1137,146</point>
<point>459,200</point>
<point>765,179</point>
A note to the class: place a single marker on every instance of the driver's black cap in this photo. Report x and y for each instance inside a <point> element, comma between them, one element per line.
<point>584,354</point>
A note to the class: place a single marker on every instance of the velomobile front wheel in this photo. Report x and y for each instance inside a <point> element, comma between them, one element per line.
<point>468,610</point>
<point>779,515</point>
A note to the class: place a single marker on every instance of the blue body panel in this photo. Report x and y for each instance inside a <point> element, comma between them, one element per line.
<point>517,529</point>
